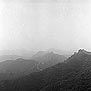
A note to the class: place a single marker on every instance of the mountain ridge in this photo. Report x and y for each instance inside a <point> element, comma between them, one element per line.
<point>76,70</point>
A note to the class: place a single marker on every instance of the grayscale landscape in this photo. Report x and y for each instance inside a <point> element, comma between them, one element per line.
<point>45,45</point>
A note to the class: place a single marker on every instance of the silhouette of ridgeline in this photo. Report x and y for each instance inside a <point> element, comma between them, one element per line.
<point>82,51</point>
<point>74,75</point>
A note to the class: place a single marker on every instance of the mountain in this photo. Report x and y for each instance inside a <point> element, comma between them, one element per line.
<point>48,59</point>
<point>60,52</point>
<point>9,54</point>
<point>18,67</point>
<point>79,78</point>
<point>72,75</point>
<point>81,82</point>
<point>39,54</point>
<point>8,57</point>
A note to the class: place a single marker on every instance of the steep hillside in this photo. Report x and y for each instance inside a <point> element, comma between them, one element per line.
<point>72,75</point>
<point>79,79</point>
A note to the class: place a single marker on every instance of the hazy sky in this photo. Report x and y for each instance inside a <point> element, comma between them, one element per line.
<point>43,24</point>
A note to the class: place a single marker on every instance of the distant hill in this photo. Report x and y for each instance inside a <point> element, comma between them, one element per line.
<point>8,57</point>
<point>39,54</point>
<point>18,67</point>
<point>48,59</point>
<point>13,54</point>
<point>72,75</point>
<point>60,52</point>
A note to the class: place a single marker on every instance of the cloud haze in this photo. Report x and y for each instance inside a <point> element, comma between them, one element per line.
<point>41,24</point>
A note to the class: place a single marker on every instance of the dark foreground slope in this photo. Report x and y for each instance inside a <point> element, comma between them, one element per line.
<point>81,82</point>
<point>72,75</point>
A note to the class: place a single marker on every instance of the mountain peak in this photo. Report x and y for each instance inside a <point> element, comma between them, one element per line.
<point>82,51</point>
<point>51,53</point>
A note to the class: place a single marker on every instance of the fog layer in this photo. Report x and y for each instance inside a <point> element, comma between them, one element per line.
<point>28,24</point>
